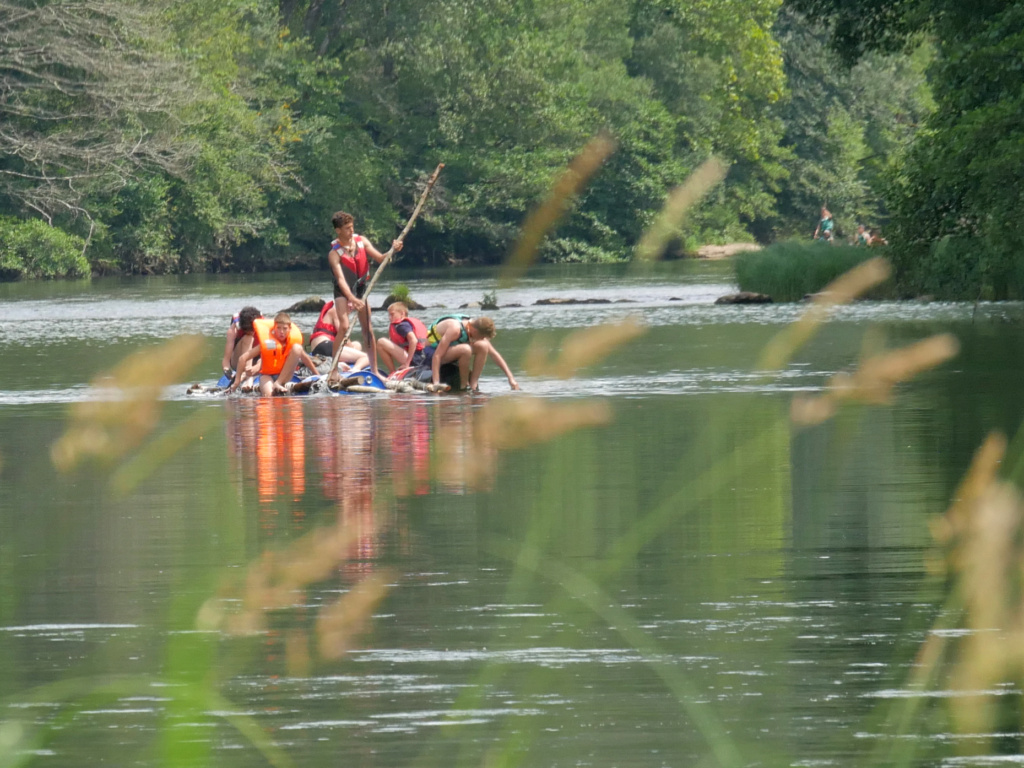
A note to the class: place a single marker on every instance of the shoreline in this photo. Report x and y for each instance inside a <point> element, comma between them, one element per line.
<point>715,252</point>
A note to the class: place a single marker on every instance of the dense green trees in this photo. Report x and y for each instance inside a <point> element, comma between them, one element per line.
<point>956,199</point>
<point>845,126</point>
<point>222,134</point>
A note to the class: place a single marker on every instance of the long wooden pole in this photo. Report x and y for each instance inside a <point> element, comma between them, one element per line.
<point>384,262</point>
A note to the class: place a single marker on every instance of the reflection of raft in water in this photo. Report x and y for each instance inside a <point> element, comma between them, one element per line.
<point>354,382</point>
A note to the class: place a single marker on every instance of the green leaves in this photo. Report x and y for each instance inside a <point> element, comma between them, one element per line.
<point>32,249</point>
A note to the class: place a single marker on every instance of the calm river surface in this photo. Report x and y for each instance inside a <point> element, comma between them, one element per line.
<point>421,581</point>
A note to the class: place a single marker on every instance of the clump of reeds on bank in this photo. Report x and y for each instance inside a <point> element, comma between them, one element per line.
<point>790,270</point>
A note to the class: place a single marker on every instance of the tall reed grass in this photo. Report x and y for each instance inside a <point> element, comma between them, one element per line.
<point>984,588</point>
<point>791,270</point>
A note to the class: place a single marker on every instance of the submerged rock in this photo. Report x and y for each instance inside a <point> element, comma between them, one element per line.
<point>307,306</point>
<point>744,297</point>
<point>556,301</point>
<point>412,304</point>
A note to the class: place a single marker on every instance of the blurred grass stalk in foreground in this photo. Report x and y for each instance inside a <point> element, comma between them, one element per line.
<point>981,533</point>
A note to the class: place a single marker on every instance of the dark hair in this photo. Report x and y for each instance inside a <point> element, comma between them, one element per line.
<point>246,316</point>
<point>340,219</point>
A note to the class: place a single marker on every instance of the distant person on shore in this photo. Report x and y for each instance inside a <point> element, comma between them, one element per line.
<point>279,346</point>
<point>464,340</point>
<point>239,339</point>
<point>349,259</point>
<point>824,230</point>
<point>876,239</point>
<point>406,340</point>
<point>863,235</point>
<point>325,340</point>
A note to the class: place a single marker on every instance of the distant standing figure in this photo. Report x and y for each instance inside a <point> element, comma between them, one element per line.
<point>825,226</point>
<point>863,236</point>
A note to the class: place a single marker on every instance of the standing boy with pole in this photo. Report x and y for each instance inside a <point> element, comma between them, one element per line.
<point>349,259</point>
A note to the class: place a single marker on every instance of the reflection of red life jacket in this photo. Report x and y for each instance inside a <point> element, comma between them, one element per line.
<point>357,264</point>
<point>421,451</point>
<point>323,328</point>
<point>418,328</point>
<point>272,352</point>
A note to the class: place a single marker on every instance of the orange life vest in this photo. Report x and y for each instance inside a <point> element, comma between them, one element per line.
<point>272,352</point>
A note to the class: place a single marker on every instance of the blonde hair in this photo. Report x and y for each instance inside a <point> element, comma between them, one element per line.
<point>400,306</point>
<point>282,318</point>
<point>484,326</point>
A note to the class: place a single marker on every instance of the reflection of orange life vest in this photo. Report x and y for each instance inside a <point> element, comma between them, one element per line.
<point>418,328</point>
<point>357,264</point>
<point>273,352</point>
<point>280,452</point>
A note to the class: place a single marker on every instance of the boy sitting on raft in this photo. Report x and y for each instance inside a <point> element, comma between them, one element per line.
<point>406,340</point>
<point>457,338</point>
<point>279,346</point>
<point>325,340</point>
<point>239,339</point>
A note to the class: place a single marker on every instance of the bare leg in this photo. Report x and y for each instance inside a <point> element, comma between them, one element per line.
<point>481,349</point>
<point>368,341</point>
<point>355,359</point>
<point>388,352</point>
<point>342,329</point>
<point>290,364</point>
<point>461,354</point>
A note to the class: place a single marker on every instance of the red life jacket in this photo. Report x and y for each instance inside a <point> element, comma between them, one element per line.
<point>418,328</point>
<point>323,328</point>
<point>357,264</point>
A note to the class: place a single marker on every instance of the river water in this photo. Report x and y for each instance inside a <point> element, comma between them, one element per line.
<point>645,564</point>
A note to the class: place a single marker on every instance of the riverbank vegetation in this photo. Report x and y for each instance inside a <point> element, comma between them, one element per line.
<point>214,136</point>
<point>793,269</point>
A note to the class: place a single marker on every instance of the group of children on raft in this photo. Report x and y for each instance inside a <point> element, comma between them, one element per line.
<point>272,350</point>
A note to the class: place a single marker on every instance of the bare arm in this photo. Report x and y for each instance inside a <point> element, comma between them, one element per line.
<point>410,349</point>
<point>500,361</point>
<point>243,361</point>
<point>229,347</point>
<point>376,255</point>
<point>307,361</point>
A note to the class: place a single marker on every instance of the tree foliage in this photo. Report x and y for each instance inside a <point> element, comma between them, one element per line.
<point>86,103</point>
<point>183,135</point>
<point>845,126</point>
<point>33,249</point>
<point>956,197</point>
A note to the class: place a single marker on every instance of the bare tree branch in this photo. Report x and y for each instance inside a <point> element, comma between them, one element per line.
<point>87,102</point>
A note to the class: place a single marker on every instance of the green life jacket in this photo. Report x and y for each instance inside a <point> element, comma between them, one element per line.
<point>434,338</point>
